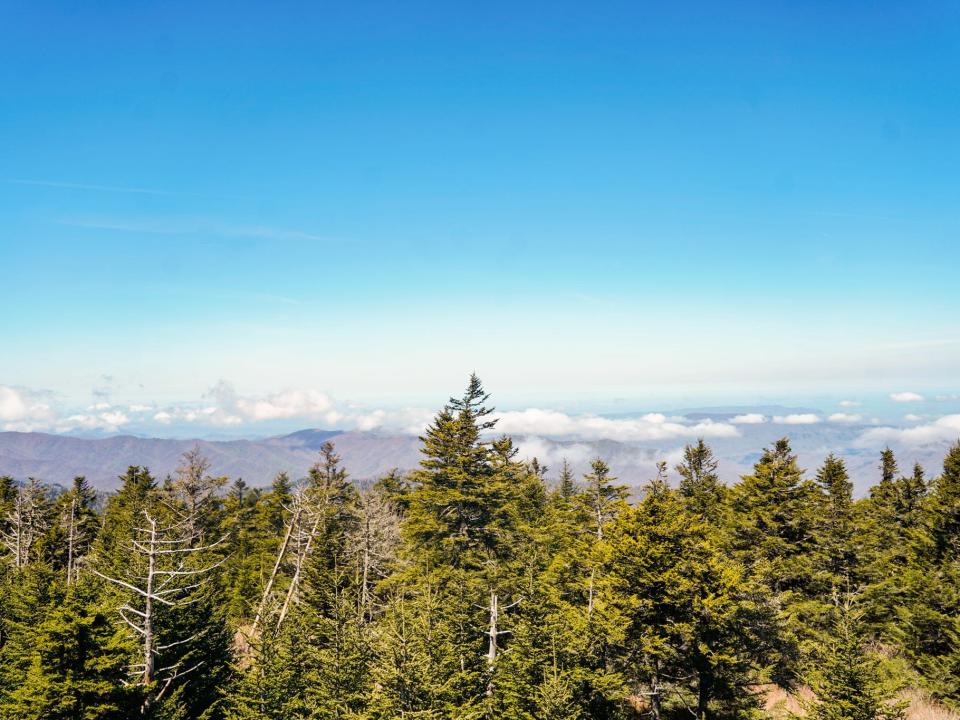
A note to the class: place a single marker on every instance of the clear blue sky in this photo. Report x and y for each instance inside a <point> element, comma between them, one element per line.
<point>581,201</point>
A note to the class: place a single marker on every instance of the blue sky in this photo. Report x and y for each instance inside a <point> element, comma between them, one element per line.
<point>596,207</point>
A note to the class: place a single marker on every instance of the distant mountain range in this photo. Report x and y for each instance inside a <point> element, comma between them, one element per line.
<point>58,458</point>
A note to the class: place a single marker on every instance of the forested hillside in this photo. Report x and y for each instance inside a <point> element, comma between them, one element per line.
<point>479,586</point>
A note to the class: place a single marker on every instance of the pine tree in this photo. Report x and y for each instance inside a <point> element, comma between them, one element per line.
<point>566,484</point>
<point>834,531</point>
<point>911,493</point>
<point>774,518</point>
<point>77,526</point>
<point>691,622</point>
<point>449,511</point>
<point>945,508</point>
<point>699,484</point>
<point>846,678</point>
<point>602,495</point>
<point>330,613</point>
<point>928,587</point>
<point>75,668</point>
<point>270,683</point>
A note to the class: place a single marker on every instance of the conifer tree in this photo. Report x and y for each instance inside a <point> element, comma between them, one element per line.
<point>330,613</point>
<point>846,678</point>
<point>911,492</point>
<point>692,623</point>
<point>928,621</point>
<point>699,482</point>
<point>449,512</point>
<point>835,530</point>
<point>775,514</point>
<point>75,670</point>
<point>566,484</point>
<point>77,525</point>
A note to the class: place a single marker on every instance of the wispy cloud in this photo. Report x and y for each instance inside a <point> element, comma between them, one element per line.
<point>193,226</point>
<point>86,186</point>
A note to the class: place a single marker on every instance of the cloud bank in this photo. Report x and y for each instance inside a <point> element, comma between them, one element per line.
<point>652,426</point>
<point>944,429</point>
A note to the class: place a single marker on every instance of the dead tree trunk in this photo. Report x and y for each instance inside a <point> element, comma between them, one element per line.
<point>281,553</point>
<point>164,573</point>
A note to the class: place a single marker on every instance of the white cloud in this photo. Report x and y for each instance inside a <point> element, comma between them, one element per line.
<point>579,454</point>
<point>911,417</point>
<point>233,409</point>
<point>749,419</point>
<point>653,426</point>
<point>109,421</point>
<point>101,406</point>
<point>797,419</point>
<point>139,408</point>
<point>552,453</point>
<point>845,418</point>
<point>411,421</point>
<point>905,397</point>
<point>849,403</point>
<point>23,410</point>
<point>944,429</point>
<point>12,404</point>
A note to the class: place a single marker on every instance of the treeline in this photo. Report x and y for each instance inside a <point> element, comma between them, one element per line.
<point>479,586</point>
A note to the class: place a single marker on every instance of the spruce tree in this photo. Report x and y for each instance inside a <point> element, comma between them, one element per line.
<point>846,678</point>
<point>699,483</point>
<point>692,625</point>
<point>76,669</point>
<point>449,511</point>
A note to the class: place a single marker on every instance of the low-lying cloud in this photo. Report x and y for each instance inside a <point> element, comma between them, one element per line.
<point>652,426</point>
<point>224,407</point>
<point>845,418</point>
<point>906,397</point>
<point>797,419</point>
<point>749,419</point>
<point>944,429</point>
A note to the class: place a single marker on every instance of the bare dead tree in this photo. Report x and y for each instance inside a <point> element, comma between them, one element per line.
<point>493,633</point>
<point>26,522</point>
<point>169,568</point>
<point>374,543</point>
<point>292,525</point>
<point>324,503</point>
<point>311,519</point>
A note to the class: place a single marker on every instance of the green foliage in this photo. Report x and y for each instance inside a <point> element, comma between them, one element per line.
<point>846,678</point>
